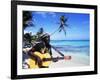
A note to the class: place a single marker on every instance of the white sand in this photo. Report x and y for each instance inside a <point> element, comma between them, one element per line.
<point>78,59</point>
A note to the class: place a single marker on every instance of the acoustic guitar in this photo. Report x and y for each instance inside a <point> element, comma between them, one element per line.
<point>45,60</point>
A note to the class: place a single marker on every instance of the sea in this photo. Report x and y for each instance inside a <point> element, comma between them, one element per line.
<point>72,46</point>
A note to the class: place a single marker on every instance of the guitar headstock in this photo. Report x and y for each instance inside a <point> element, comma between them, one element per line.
<point>67,57</point>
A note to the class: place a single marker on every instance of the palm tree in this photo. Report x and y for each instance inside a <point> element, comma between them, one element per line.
<point>27,19</point>
<point>40,32</point>
<point>63,24</point>
<point>28,37</point>
<point>27,22</point>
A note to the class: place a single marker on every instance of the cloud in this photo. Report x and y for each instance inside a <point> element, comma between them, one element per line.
<point>45,14</point>
<point>53,14</point>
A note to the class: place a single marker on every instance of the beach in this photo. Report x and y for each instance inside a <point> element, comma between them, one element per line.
<point>78,50</point>
<point>77,60</point>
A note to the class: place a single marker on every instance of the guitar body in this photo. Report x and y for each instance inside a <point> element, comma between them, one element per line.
<point>46,63</point>
<point>32,63</point>
<point>45,60</point>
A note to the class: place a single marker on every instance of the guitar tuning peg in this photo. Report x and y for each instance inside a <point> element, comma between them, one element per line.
<point>67,57</point>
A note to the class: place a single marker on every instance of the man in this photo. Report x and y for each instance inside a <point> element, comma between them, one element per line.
<point>36,57</point>
<point>46,39</point>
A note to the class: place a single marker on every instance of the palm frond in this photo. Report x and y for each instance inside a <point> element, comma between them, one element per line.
<point>63,24</point>
<point>27,19</point>
<point>66,25</point>
<point>65,20</point>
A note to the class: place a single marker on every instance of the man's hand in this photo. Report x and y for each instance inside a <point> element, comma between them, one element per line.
<point>38,62</point>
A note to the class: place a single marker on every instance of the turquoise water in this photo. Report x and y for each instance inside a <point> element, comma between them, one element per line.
<point>73,46</point>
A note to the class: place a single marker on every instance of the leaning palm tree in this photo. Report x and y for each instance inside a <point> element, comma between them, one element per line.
<point>63,24</point>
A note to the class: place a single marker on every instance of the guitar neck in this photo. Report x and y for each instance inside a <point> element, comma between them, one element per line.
<point>49,59</point>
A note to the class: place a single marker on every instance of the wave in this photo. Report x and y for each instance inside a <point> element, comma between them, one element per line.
<point>74,49</point>
<point>73,46</point>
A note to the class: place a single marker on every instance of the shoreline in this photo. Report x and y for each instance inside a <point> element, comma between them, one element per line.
<point>77,60</point>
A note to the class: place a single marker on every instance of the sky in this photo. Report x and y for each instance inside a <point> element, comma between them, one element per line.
<point>78,25</point>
